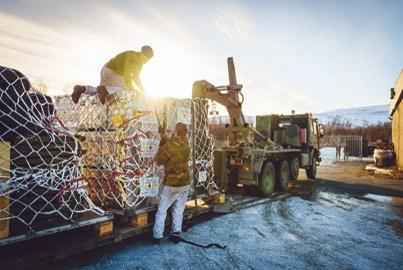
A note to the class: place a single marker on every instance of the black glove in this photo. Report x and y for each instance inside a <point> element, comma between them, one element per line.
<point>163,141</point>
<point>161,130</point>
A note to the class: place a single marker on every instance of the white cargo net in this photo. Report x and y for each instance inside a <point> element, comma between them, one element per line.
<point>121,139</point>
<point>39,176</point>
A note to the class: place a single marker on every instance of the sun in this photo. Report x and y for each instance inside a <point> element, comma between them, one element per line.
<point>168,74</point>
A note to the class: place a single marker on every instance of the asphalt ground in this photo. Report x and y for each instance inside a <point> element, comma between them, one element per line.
<point>346,219</point>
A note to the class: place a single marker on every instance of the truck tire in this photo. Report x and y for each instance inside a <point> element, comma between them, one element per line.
<point>267,179</point>
<point>294,169</point>
<point>283,176</point>
<point>311,170</point>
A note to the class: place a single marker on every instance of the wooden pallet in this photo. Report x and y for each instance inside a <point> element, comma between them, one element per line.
<point>102,225</point>
<point>4,200</point>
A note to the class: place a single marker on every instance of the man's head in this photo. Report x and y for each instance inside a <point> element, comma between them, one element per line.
<point>147,52</point>
<point>181,129</point>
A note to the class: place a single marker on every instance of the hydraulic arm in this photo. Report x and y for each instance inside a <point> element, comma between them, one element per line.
<point>231,97</point>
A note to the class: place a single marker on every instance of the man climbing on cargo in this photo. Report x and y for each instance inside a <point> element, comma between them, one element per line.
<point>118,74</point>
<point>173,154</point>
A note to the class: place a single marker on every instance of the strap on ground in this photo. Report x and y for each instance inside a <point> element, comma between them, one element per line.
<point>202,246</point>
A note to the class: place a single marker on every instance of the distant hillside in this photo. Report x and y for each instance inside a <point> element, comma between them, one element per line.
<point>359,116</point>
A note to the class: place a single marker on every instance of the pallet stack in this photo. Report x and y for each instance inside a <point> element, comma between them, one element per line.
<point>121,144</point>
<point>40,184</point>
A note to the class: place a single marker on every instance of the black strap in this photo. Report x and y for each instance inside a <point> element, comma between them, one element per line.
<point>202,246</point>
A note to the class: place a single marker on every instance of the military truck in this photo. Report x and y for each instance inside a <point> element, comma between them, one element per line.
<point>265,158</point>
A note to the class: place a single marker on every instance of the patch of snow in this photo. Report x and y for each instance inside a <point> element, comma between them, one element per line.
<point>328,155</point>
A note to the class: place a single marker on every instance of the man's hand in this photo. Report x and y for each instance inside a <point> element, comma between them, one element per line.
<point>164,138</point>
<point>163,141</point>
<point>161,130</point>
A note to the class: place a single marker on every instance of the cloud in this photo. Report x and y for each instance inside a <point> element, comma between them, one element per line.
<point>234,22</point>
<point>61,51</point>
<point>289,56</point>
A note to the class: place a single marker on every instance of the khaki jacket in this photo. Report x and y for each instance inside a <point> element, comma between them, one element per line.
<point>174,155</point>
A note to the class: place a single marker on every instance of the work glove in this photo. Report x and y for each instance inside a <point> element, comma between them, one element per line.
<point>161,130</point>
<point>163,140</point>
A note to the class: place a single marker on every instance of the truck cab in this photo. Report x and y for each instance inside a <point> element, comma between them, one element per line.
<point>295,131</point>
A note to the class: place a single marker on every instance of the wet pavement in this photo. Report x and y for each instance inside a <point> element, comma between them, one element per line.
<point>323,229</point>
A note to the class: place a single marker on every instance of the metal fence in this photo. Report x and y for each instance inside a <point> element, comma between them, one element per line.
<point>347,147</point>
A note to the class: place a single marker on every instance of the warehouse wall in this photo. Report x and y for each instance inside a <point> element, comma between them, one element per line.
<point>397,138</point>
<point>396,110</point>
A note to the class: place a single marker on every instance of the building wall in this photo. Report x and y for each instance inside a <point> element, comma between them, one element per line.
<point>396,110</point>
<point>397,138</point>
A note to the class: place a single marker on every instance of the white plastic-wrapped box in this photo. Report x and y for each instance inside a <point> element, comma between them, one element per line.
<point>120,140</point>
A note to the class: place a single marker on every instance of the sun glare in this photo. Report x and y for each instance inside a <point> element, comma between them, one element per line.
<point>168,74</point>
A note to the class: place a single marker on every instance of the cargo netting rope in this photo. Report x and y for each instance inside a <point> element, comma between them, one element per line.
<point>39,173</point>
<point>120,140</point>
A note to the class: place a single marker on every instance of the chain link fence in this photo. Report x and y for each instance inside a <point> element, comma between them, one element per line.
<point>347,147</point>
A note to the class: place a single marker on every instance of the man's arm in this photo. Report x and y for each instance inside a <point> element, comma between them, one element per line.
<point>162,156</point>
<point>132,68</point>
<point>127,74</point>
<point>137,81</point>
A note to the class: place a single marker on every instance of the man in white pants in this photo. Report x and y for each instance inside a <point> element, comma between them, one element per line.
<point>117,75</point>
<point>174,154</point>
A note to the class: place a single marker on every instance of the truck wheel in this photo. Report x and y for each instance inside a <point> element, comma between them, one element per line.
<point>294,169</point>
<point>311,170</point>
<point>283,176</point>
<point>267,179</point>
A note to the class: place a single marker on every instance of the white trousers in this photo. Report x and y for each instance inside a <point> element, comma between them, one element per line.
<point>112,81</point>
<point>175,196</point>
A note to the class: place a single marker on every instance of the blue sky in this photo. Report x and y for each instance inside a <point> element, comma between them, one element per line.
<point>303,55</point>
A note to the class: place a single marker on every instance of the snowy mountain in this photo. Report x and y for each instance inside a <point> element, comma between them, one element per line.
<point>359,116</point>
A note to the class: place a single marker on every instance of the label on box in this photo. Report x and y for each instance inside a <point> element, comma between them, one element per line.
<point>184,115</point>
<point>202,177</point>
<point>149,147</point>
<point>149,186</point>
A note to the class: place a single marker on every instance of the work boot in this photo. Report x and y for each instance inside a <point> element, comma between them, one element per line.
<point>103,93</point>
<point>175,237</point>
<point>78,90</point>
<point>156,241</point>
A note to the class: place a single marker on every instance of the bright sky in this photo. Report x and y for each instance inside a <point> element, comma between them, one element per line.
<point>303,55</point>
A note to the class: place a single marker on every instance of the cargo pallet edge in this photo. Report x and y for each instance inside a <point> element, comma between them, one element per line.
<point>57,244</point>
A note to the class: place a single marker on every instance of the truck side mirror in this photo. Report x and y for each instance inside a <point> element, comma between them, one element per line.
<point>321,131</point>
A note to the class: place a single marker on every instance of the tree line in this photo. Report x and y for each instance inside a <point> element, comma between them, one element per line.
<point>371,132</point>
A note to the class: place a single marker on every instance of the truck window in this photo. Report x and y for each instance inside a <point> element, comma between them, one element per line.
<point>314,128</point>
